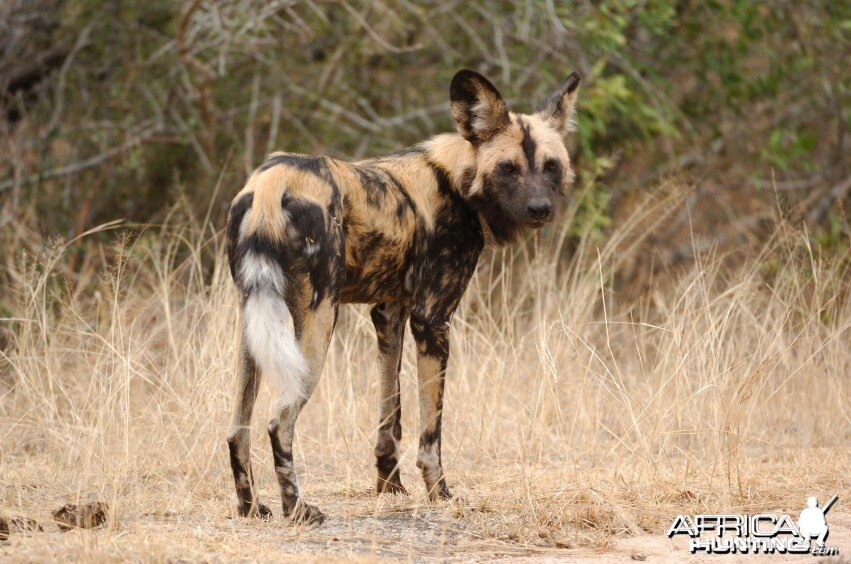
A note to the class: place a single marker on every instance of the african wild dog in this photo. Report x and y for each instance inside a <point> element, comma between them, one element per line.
<point>403,232</point>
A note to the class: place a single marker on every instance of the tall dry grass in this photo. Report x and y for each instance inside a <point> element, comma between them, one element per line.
<point>572,413</point>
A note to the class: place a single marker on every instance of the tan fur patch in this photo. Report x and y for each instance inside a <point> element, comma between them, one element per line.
<point>266,215</point>
<point>549,143</point>
<point>429,375</point>
<point>453,153</point>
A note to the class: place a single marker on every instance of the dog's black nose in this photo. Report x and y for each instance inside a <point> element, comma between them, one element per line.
<point>539,209</point>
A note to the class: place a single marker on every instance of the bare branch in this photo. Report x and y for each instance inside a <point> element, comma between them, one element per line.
<point>80,166</point>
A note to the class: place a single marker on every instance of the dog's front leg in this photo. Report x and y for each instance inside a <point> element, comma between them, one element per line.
<point>432,339</point>
<point>389,320</point>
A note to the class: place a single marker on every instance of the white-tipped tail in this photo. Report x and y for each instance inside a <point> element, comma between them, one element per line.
<point>268,325</point>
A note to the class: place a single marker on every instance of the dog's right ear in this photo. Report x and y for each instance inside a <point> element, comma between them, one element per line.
<point>558,109</point>
<point>478,109</point>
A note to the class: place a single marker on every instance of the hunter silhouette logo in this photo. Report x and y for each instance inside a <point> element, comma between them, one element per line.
<point>762,533</point>
<point>812,522</point>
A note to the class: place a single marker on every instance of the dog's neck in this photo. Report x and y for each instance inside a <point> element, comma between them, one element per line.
<point>456,156</point>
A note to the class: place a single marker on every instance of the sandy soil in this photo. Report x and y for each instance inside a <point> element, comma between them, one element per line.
<point>397,529</point>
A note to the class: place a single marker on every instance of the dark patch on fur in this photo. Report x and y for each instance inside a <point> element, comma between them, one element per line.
<point>528,144</point>
<point>283,464</point>
<point>247,504</point>
<point>377,270</point>
<point>385,455</point>
<point>467,179</point>
<point>555,178</point>
<point>413,150</point>
<point>432,337</point>
<point>405,202</point>
<point>238,210</point>
<point>283,458</point>
<point>385,324</point>
<point>389,479</point>
<point>503,228</point>
<point>305,163</point>
<point>444,184</point>
<point>236,466</point>
<point>433,436</point>
<point>387,464</point>
<point>373,184</point>
<point>311,249</point>
<point>256,243</point>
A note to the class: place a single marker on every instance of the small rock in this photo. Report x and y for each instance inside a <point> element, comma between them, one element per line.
<point>4,529</point>
<point>24,524</point>
<point>84,516</point>
<point>543,543</point>
<point>639,556</point>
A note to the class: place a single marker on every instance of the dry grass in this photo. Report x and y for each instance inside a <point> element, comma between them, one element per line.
<point>572,415</point>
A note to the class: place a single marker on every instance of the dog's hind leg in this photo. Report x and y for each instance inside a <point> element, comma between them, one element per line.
<point>389,320</point>
<point>239,438</point>
<point>316,327</point>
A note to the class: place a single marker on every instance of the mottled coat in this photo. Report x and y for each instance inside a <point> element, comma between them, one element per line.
<point>403,232</point>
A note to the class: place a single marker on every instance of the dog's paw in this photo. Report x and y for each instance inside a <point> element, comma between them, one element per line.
<point>391,485</point>
<point>306,514</point>
<point>440,492</point>
<point>256,510</point>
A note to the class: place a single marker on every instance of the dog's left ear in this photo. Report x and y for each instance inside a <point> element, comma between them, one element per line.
<point>557,110</point>
<point>477,107</point>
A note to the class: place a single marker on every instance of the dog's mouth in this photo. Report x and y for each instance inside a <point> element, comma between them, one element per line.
<point>538,223</point>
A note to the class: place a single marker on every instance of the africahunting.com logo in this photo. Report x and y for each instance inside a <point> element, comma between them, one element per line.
<point>764,533</point>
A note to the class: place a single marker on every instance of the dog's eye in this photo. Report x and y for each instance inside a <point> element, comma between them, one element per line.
<point>508,167</point>
<point>551,165</point>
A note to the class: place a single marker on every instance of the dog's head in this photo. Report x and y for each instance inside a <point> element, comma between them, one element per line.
<point>522,164</point>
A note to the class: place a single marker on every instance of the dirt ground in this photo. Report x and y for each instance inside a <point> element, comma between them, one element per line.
<point>360,528</point>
